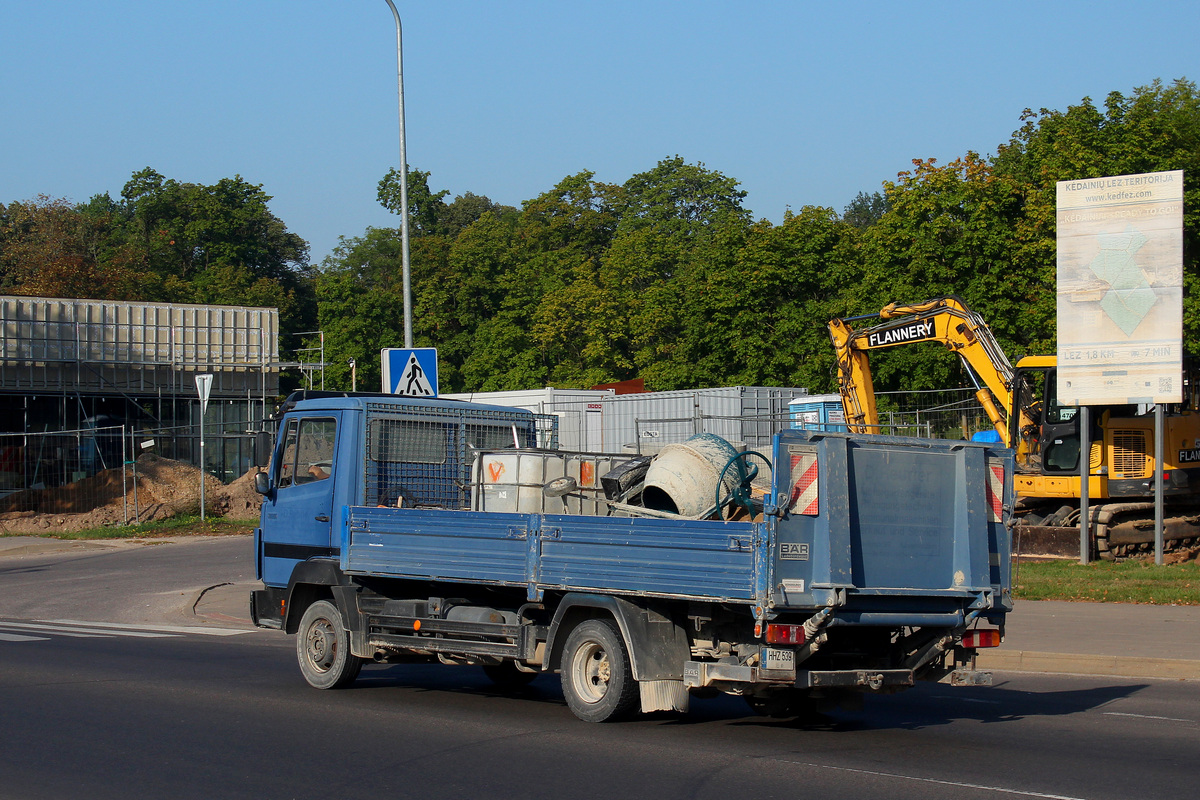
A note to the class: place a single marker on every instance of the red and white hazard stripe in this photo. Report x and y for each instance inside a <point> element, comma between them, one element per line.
<point>995,490</point>
<point>806,494</point>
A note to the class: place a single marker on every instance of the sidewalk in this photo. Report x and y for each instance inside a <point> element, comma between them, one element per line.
<point>1117,639</point>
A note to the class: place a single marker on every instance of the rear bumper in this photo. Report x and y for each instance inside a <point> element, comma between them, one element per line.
<point>867,679</point>
<point>697,674</point>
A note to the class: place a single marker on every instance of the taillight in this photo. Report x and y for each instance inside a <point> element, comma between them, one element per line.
<point>785,634</point>
<point>989,637</point>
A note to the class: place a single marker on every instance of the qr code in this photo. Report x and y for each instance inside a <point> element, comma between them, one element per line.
<point>1165,384</point>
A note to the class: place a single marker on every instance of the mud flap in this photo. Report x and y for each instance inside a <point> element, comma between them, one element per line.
<point>663,696</point>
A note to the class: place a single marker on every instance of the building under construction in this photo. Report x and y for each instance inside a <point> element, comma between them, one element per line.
<point>113,379</point>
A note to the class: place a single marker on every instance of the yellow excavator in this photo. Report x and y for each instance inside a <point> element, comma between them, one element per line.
<point>1021,403</point>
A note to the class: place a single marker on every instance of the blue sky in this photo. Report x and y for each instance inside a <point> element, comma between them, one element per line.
<point>805,103</point>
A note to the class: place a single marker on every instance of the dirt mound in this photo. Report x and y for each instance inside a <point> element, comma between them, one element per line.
<point>238,500</point>
<point>163,489</point>
<point>1182,556</point>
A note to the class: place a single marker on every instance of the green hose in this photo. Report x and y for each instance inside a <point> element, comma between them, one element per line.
<point>740,494</point>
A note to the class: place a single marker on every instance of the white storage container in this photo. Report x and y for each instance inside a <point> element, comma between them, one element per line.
<point>579,411</point>
<point>515,481</point>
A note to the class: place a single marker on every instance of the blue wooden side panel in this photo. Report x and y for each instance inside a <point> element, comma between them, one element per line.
<point>441,545</point>
<point>675,558</point>
<point>682,558</point>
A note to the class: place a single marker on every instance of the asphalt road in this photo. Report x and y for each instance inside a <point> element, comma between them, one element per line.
<point>148,580</point>
<point>187,715</point>
<point>178,708</point>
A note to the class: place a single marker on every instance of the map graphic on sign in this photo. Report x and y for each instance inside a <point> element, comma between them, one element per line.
<point>411,372</point>
<point>1130,296</point>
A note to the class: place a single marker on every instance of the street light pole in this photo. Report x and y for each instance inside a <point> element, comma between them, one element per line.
<point>407,271</point>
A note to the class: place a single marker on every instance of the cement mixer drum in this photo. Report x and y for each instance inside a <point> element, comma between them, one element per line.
<point>682,478</point>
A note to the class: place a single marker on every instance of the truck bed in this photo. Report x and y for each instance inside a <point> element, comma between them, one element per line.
<point>875,526</point>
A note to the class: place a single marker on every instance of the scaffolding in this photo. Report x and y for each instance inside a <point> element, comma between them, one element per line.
<point>72,364</point>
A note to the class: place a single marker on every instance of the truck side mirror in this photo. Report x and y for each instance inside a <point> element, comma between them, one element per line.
<point>262,484</point>
<point>263,442</point>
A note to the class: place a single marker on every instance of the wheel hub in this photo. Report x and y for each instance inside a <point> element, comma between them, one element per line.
<point>321,645</point>
<point>595,670</point>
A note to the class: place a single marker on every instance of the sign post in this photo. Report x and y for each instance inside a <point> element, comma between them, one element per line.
<point>203,385</point>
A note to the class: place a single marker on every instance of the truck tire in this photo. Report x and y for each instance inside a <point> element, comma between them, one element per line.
<point>323,648</point>
<point>597,680</point>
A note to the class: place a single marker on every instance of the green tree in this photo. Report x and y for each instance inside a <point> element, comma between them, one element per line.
<point>865,209</point>
<point>218,244</point>
<point>51,248</point>
<point>425,207</point>
<point>769,306</point>
<point>679,223</point>
<point>360,306</point>
<point>1156,128</point>
<point>949,230</point>
<point>557,237</point>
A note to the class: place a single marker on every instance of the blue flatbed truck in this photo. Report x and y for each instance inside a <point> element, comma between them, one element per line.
<point>869,563</point>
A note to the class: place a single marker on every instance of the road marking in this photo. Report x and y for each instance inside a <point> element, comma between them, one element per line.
<point>98,630</point>
<point>159,628</point>
<point>90,632</point>
<point>1146,716</point>
<point>1001,789</point>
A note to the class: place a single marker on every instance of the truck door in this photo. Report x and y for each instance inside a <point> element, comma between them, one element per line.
<point>297,520</point>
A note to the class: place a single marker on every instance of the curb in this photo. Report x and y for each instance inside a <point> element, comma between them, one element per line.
<point>227,603</point>
<point>1086,664</point>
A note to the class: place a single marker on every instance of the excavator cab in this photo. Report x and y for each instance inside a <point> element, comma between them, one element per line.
<point>1050,442</point>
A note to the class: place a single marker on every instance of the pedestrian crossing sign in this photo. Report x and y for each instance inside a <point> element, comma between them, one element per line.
<point>410,371</point>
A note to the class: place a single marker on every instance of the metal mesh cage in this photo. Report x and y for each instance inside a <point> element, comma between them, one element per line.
<point>422,456</point>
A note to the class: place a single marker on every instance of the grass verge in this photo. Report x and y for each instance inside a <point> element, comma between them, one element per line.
<point>176,526</point>
<point>1108,582</point>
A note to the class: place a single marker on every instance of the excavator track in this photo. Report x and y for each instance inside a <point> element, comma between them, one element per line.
<point>1126,530</point>
<point>1122,530</point>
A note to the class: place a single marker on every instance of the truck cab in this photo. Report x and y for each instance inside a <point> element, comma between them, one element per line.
<point>417,454</point>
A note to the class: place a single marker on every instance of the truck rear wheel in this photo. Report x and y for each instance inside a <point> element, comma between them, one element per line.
<point>323,648</point>
<point>597,679</point>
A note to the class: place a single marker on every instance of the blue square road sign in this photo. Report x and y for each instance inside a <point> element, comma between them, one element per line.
<point>410,371</point>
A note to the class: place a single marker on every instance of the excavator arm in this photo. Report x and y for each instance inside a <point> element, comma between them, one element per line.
<point>945,320</point>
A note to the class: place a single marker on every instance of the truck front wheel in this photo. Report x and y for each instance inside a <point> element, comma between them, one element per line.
<point>597,679</point>
<point>323,648</point>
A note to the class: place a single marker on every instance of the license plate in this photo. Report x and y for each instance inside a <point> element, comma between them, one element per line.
<point>779,659</point>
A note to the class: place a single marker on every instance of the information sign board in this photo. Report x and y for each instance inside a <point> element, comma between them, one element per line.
<point>1120,289</point>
